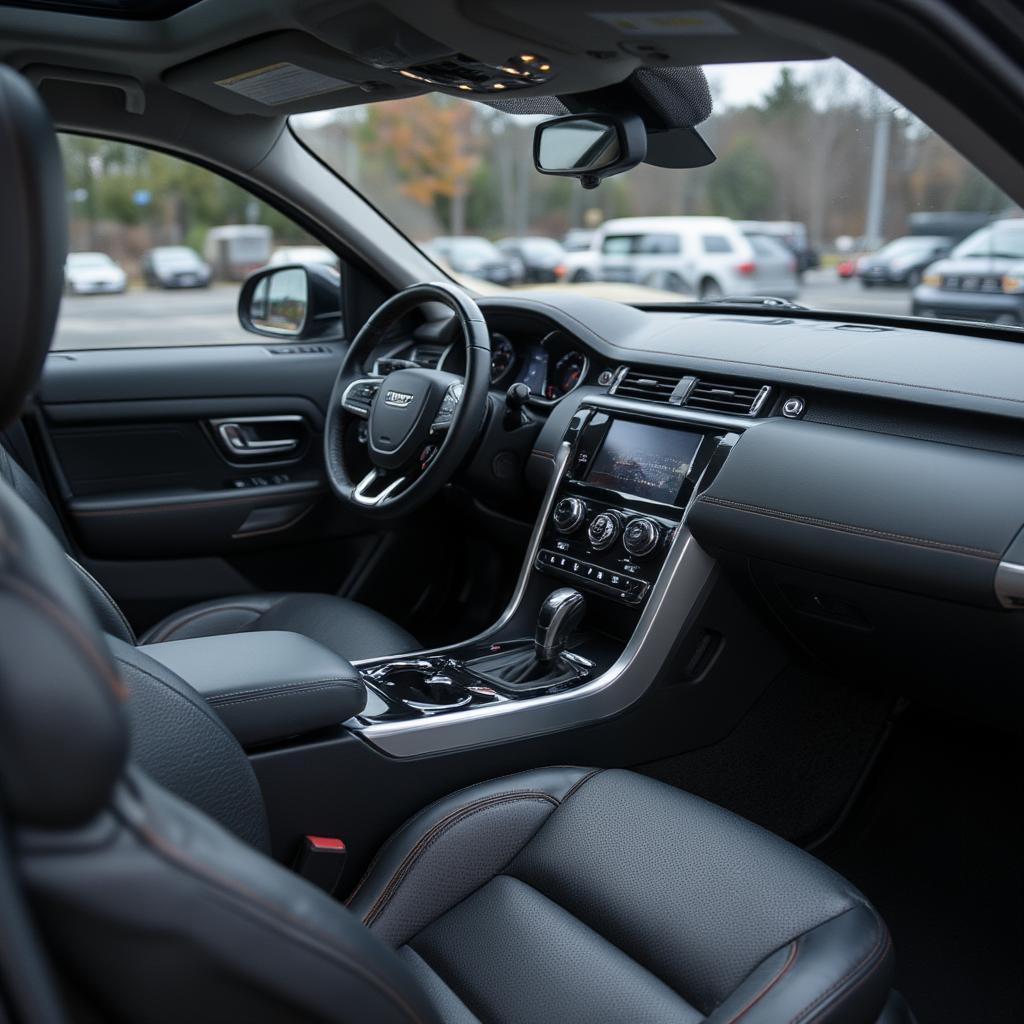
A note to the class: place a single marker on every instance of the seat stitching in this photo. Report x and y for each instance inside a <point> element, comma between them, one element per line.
<point>278,688</point>
<point>632,959</point>
<point>578,784</point>
<point>840,527</point>
<point>106,595</point>
<point>71,629</point>
<point>174,625</point>
<point>336,685</point>
<point>393,838</point>
<point>860,981</point>
<point>204,871</point>
<point>434,833</point>
<point>768,986</point>
<point>878,949</point>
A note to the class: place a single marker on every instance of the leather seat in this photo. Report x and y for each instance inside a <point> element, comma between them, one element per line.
<point>557,894</point>
<point>347,628</point>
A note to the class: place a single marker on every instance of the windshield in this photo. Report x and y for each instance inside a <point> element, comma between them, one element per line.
<point>816,170</point>
<point>998,241</point>
<point>175,254</point>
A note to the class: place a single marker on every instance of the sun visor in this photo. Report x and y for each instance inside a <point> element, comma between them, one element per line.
<point>280,74</point>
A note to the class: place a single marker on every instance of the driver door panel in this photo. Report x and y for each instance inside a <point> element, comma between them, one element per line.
<point>140,471</point>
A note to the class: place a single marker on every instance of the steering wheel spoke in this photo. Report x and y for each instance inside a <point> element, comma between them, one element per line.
<point>375,488</point>
<point>359,395</point>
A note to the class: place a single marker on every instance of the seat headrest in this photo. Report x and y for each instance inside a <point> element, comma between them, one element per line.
<point>63,734</point>
<point>33,238</point>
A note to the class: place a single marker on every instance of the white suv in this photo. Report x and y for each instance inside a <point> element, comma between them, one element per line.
<point>705,256</point>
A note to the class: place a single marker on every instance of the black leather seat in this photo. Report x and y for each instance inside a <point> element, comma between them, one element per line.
<point>557,894</point>
<point>346,627</point>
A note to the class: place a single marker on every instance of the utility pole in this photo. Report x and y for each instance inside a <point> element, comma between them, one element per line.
<point>873,226</point>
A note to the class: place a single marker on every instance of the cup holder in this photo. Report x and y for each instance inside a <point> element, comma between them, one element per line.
<point>422,687</point>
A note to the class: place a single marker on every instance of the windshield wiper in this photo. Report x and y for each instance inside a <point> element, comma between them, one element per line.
<point>764,301</point>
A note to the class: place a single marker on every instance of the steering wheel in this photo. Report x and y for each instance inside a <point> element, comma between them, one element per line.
<point>420,423</point>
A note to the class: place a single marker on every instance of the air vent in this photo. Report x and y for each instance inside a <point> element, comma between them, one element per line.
<point>722,396</point>
<point>428,356</point>
<point>647,386</point>
<point>734,398</point>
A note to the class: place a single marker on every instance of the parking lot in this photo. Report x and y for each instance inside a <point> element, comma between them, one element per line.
<point>208,316</point>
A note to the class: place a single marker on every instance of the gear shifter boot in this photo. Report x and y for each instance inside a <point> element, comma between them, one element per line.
<point>520,671</point>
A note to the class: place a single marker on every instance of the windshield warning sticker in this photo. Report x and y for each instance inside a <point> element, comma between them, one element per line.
<point>667,23</point>
<point>281,83</point>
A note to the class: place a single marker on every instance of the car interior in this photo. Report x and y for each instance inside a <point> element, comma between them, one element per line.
<point>447,655</point>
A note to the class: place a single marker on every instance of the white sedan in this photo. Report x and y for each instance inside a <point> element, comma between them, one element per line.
<point>90,273</point>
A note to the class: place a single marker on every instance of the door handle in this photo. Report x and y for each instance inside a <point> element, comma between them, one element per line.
<point>242,436</point>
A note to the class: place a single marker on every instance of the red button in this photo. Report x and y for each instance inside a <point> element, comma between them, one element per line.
<point>325,843</point>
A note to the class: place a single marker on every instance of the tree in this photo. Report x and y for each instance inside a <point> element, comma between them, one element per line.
<point>741,184</point>
<point>430,142</point>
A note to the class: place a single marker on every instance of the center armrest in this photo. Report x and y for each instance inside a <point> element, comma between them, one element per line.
<point>266,685</point>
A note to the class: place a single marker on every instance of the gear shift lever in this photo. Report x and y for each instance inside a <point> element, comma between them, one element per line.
<point>560,615</point>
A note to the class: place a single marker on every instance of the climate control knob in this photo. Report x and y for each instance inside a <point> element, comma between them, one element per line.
<point>569,513</point>
<point>641,537</point>
<point>604,530</point>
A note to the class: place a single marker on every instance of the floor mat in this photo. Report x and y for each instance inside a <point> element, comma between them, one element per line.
<point>935,843</point>
<point>795,759</point>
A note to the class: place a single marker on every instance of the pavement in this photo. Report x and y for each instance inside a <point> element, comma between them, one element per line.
<point>149,318</point>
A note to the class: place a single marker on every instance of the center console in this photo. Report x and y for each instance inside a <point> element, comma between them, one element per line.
<point>622,499</point>
<point>607,550</point>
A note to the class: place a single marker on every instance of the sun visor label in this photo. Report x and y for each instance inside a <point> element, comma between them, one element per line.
<point>667,23</point>
<point>281,83</point>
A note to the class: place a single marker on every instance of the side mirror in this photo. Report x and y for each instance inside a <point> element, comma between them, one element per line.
<point>589,146</point>
<point>300,301</point>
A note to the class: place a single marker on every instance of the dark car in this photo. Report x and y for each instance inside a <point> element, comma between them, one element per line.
<point>542,259</point>
<point>981,279</point>
<point>476,256</point>
<point>175,266</point>
<point>902,261</point>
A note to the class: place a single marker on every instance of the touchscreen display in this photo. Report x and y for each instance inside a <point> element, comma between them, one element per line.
<point>645,461</point>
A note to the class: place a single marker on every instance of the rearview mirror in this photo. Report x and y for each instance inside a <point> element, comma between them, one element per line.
<point>299,301</point>
<point>589,146</point>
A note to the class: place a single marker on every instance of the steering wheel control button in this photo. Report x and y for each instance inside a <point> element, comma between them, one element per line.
<point>569,513</point>
<point>793,408</point>
<point>604,530</point>
<point>641,537</point>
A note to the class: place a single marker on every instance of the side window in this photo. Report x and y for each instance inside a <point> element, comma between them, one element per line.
<point>157,249</point>
<point>716,243</point>
<point>619,245</point>
<point>660,245</point>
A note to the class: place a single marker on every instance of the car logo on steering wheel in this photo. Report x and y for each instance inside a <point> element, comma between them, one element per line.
<point>399,399</point>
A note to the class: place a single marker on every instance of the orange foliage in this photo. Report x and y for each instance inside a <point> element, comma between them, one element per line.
<point>429,141</point>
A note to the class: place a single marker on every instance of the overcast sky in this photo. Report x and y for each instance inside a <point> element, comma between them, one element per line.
<point>736,85</point>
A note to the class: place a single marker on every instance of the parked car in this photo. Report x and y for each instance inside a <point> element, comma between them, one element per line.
<point>303,254</point>
<point>903,260</point>
<point>792,234</point>
<point>476,256</point>
<point>92,273</point>
<point>542,259</point>
<point>982,279</point>
<point>175,266</point>
<point>708,256</point>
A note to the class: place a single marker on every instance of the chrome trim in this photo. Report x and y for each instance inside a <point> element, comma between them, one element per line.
<point>1009,585</point>
<point>672,413</point>
<point>252,448</point>
<point>359,494</point>
<point>762,397</point>
<point>674,597</point>
<point>359,410</point>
